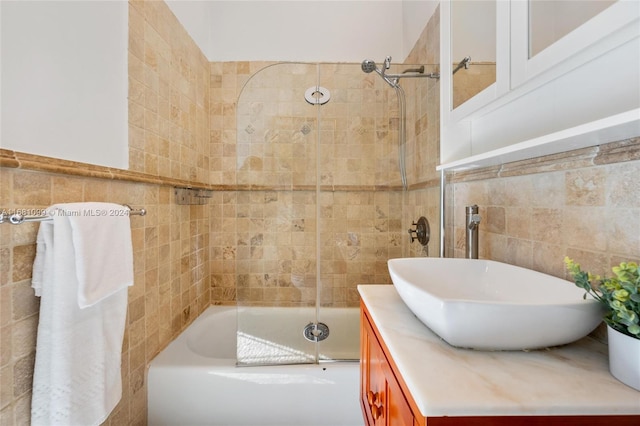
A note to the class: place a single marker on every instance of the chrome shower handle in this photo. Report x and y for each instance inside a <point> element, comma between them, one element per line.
<point>422,231</point>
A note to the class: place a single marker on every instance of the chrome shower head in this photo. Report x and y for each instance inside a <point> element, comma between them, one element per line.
<point>368,66</point>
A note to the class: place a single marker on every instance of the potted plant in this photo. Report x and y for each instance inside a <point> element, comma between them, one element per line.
<point>620,296</point>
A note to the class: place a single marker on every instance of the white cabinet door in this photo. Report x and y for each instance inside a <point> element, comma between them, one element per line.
<point>613,26</point>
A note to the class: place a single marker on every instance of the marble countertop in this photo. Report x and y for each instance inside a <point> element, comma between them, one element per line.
<point>447,381</point>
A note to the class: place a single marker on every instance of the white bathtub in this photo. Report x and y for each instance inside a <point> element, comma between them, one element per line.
<point>195,380</point>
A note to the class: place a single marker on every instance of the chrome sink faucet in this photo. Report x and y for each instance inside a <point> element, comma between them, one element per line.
<point>472,222</point>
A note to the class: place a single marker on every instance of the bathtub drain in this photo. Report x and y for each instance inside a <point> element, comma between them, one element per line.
<point>316,331</point>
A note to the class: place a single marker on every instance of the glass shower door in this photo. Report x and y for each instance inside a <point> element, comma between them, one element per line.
<point>361,196</point>
<point>319,205</point>
<point>277,134</point>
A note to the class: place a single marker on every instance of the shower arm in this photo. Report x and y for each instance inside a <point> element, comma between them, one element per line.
<point>416,75</point>
<point>393,79</point>
<point>418,70</point>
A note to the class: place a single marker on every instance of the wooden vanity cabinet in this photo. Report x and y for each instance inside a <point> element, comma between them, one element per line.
<point>382,397</point>
<point>386,401</point>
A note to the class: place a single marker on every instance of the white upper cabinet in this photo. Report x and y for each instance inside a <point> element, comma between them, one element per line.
<point>564,74</point>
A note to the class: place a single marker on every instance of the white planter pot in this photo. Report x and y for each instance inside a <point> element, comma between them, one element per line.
<point>624,358</point>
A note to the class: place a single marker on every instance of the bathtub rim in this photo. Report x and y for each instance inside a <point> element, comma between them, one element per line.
<point>177,353</point>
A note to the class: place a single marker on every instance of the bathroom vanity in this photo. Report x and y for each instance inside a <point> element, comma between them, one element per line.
<point>409,376</point>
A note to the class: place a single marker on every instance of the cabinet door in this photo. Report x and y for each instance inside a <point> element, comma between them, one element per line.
<point>377,394</point>
<point>398,410</point>
<point>372,378</point>
<point>382,399</point>
<point>609,25</point>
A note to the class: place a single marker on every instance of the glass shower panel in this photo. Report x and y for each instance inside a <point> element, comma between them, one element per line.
<point>319,208</point>
<point>360,193</point>
<point>275,216</point>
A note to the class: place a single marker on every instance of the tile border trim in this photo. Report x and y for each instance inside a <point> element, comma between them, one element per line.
<point>610,153</point>
<point>25,161</point>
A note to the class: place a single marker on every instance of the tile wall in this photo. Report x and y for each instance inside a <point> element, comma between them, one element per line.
<point>423,139</point>
<point>168,96</point>
<point>171,286</point>
<point>581,204</point>
<point>263,140</point>
<point>276,146</point>
<point>264,137</point>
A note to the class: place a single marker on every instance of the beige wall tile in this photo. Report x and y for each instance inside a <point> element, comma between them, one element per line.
<point>546,225</point>
<point>548,258</point>
<point>518,220</point>
<point>623,184</point>
<point>623,229</point>
<point>586,228</point>
<point>5,266</point>
<point>23,257</point>
<point>495,220</point>
<point>168,96</point>
<point>576,209</point>
<point>32,189</point>
<point>586,187</point>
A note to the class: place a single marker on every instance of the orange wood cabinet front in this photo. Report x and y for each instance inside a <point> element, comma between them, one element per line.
<point>381,397</point>
<point>386,401</point>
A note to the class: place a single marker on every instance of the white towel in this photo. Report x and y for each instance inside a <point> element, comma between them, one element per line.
<point>102,243</point>
<point>77,378</point>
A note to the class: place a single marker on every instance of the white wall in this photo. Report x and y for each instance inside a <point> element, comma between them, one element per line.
<point>64,80</point>
<point>415,15</point>
<point>305,30</point>
<point>194,17</point>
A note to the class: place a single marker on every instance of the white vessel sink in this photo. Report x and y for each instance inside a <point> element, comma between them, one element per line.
<point>488,305</point>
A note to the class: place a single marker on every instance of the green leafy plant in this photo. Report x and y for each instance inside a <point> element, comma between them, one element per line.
<point>620,295</point>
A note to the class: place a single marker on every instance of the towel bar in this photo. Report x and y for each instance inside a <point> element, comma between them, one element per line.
<point>18,216</point>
